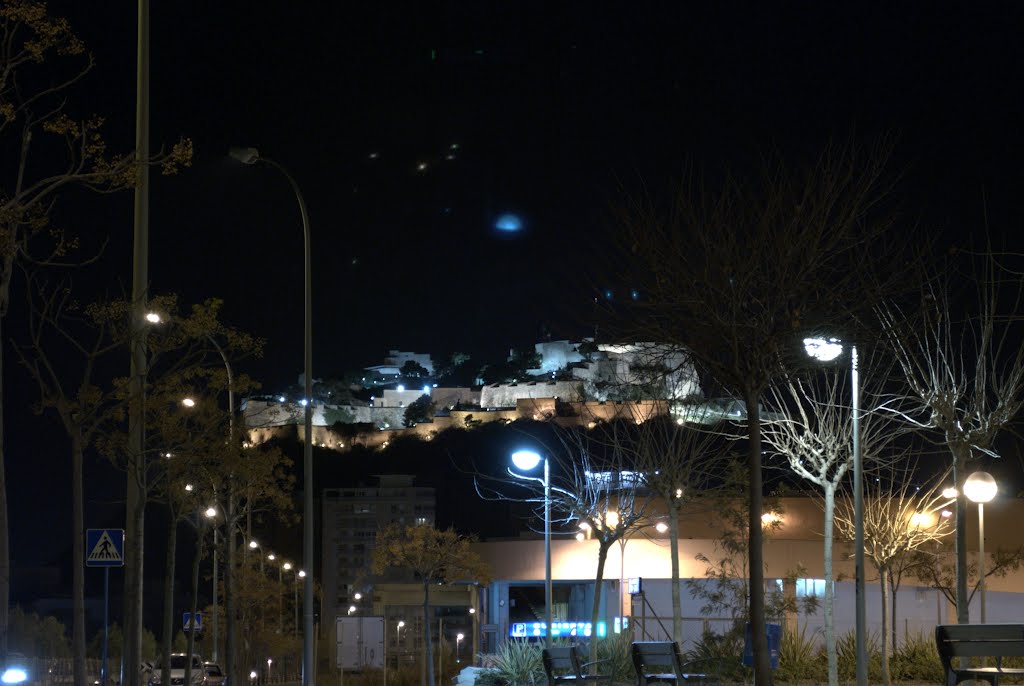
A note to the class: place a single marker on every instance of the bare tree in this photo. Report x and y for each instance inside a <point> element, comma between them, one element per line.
<point>682,465</point>
<point>929,566</point>
<point>737,275</point>
<point>60,330</point>
<point>812,430</point>
<point>902,517</point>
<point>963,372</point>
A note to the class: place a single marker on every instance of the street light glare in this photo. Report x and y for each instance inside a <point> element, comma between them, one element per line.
<point>525,459</point>
<point>188,402</point>
<point>980,487</point>
<point>287,566</point>
<point>211,512</point>
<point>254,545</point>
<point>949,493</point>
<point>824,349</point>
<point>153,318</point>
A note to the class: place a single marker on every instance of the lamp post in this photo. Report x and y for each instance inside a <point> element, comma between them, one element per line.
<point>211,512</point>
<point>280,599</point>
<point>301,574</point>
<point>980,488</point>
<point>527,460</point>
<point>458,641</point>
<point>827,350</point>
<point>252,156</point>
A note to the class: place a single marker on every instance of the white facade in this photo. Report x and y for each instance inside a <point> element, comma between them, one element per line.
<point>399,398</point>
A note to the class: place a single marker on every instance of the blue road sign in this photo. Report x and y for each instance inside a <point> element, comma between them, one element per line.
<point>187,625</point>
<point>104,547</point>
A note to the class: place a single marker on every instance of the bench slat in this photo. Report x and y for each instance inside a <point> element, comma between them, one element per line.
<point>978,640</point>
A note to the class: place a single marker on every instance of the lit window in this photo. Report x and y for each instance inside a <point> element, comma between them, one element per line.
<point>810,587</point>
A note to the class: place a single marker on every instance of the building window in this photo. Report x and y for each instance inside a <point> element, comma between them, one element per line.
<point>810,587</point>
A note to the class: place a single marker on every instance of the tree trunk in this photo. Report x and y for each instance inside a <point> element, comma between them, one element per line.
<point>135,519</point>
<point>677,603</point>
<point>759,638</point>
<point>892,622</point>
<point>428,648</point>
<point>78,557</point>
<point>195,602</point>
<point>602,555</point>
<point>883,574</point>
<point>960,533</point>
<point>830,588</point>
<point>168,633</point>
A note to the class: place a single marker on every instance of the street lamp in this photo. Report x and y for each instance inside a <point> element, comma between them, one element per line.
<point>980,488</point>
<point>527,460</point>
<point>825,350</point>
<point>458,640</point>
<point>252,156</point>
<point>301,574</point>
<point>280,599</point>
<point>211,513</point>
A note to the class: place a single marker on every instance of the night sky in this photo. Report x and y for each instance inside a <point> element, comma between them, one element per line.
<point>549,111</point>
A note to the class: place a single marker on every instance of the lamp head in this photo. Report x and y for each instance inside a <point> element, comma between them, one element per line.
<point>980,487</point>
<point>525,459</point>
<point>824,349</point>
<point>245,155</point>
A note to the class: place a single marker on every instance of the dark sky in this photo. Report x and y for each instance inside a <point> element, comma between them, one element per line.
<point>554,109</point>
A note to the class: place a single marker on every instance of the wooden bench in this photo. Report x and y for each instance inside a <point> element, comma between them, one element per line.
<point>661,661</point>
<point>965,641</point>
<point>562,664</point>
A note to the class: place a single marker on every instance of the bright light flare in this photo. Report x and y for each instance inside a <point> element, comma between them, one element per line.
<point>824,349</point>
<point>153,318</point>
<point>14,675</point>
<point>980,487</point>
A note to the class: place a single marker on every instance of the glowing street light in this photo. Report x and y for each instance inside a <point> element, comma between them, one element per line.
<point>211,513</point>
<point>188,402</point>
<point>980,488</point>
<point>458,640</point>
<point>826,350</point>
<point>527,460</point>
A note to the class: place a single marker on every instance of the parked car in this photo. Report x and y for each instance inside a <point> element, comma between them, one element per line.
<point>214,675</point>
<point>197,675</point>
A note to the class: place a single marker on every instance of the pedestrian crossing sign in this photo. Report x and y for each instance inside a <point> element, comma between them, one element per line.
<point>104,547</point>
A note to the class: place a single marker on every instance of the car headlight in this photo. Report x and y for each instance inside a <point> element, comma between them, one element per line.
<point>14,675</point>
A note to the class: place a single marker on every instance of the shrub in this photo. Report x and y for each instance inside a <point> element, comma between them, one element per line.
<point>616,654</point>
<point>801,658</point>
<point>518,663</point>
<point>724,651</point>
<point>917,659</point>
<point>846,649</point>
